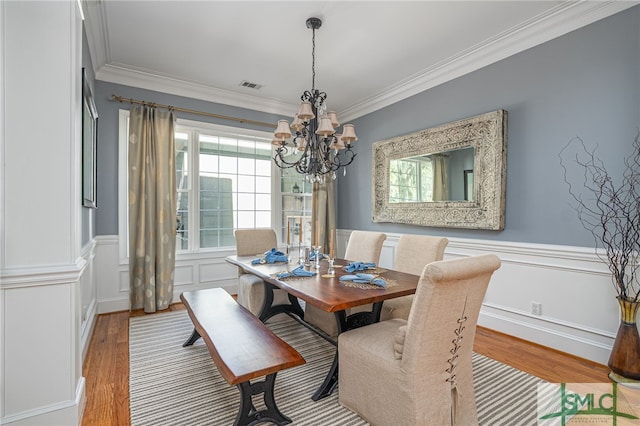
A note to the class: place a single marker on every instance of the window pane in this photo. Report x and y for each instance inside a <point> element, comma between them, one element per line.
<point>263,167</point>
<point>263,184</point>
<point>246,219</point>
<point>263,201</point>
<point>263,219</point>
<point>228,165</point>
<point>246,202</point>
<point>247,166</point>
<point>208,163</point>
<point>182,222</point>
<point>247,183</point>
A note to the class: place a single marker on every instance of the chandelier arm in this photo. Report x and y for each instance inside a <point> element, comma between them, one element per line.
<point>279,158</point>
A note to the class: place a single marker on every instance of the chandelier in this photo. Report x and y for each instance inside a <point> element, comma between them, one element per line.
<point>316,149</point>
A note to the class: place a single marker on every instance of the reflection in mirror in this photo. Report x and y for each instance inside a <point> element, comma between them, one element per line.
<point>451,175</point>
<point>440,176</point>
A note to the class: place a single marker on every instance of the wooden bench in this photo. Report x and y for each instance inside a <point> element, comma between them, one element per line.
<point>242,348</point>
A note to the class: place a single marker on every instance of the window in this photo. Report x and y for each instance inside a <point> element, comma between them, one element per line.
<point>410,180</point>
<point>225,180</point>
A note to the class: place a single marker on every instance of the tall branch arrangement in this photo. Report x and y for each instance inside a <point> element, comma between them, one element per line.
<point>610,211</point>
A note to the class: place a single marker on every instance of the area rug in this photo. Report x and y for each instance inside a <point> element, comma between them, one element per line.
<point>172,385</point>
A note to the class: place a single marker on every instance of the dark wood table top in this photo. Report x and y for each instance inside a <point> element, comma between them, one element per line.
<point>329,294</point>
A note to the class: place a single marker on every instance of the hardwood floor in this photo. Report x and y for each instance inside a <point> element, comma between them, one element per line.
<point>106,366</point>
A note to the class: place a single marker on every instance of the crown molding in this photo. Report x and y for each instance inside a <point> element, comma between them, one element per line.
<point>149,81</point>
<point>566,17</point>
<point>556,22</point>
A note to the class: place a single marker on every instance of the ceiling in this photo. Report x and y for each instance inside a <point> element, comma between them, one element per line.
<point>369,54</point>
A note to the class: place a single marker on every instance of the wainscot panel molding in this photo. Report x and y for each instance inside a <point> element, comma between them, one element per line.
<point>579,313</point>
<point>88,296</point>
<point>193,271</point>
<point>28,296</point>
<point>54,414</point>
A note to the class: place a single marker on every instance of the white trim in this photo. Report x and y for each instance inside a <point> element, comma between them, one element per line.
<point>3,178</point>
<point>123,191</point>
<point>580,315</point>
<point>115,73</point>
<point>42,276</point>
<point>549,320</point>
<point>558,21</point>
<point>74,407</point>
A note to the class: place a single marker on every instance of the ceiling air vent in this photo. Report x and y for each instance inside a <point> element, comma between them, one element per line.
<point>250,85</point>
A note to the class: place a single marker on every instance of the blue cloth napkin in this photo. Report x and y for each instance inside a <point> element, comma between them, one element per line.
<point>359,266</point>
<point>312,256</point>
<point>365,279</point>
<point>298,272</point>
<point>272,256</point>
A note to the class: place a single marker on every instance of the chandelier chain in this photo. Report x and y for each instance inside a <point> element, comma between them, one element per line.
<point>313,60</point>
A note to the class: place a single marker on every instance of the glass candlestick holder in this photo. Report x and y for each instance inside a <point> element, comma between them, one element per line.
<point>289,253</point>
<point>331,271</point>
<point>300,254</point>
<point>317,256</point>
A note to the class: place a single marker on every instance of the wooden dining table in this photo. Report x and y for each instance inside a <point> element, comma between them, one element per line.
<point>328,294</point>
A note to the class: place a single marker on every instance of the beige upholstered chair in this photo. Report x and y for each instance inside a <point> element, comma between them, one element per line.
<point>362,246</point>
<point>413,253</point>
<point>251,242</point>
<point>418,372</point>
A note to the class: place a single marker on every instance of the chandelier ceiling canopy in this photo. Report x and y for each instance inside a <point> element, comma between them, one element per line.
<point>311,144</point>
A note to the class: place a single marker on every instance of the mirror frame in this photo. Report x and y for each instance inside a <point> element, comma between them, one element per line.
<point>487,133</point>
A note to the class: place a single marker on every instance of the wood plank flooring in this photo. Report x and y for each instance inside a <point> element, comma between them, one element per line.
<point>106,365</point>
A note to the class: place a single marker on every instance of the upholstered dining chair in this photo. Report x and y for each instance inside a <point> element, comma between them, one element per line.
<point>251,242</point>
<point>413,253</point>
<point>419,372</point>
<point>364,246</point>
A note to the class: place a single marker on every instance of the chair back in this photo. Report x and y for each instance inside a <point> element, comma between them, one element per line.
<point>413,252</point>
<point>439,335</point>
<point>250,242</point>
<point>365,246</point>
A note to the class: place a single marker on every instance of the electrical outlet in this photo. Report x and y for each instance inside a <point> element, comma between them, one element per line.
<point>536,308</point>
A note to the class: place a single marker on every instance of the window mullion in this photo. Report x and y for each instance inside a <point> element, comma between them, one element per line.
<point>194,210</point>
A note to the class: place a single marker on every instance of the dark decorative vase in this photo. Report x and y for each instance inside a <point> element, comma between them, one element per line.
<point>624,360</point>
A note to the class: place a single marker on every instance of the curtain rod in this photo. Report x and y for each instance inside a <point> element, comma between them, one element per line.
<point>191,111</point>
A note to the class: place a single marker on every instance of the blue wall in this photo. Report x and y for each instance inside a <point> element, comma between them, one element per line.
<point>586,84</point>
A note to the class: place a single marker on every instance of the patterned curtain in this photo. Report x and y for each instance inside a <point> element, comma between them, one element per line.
<point>323,214</point>
<point>440,178</point>
<point>152,207</point>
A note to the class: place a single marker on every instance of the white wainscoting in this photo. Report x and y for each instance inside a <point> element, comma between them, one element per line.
<point>193,272</point>
<point>88,296</point>
<point>580,314</point>
<point>42,339</point>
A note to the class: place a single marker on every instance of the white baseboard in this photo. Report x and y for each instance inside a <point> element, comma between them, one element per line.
<point>63,413</point>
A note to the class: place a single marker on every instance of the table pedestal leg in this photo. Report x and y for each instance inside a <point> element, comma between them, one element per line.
<point>345,323</point>
<point>269,309</point>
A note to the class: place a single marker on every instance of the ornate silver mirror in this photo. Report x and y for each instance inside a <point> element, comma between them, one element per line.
<point>452,175</point>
